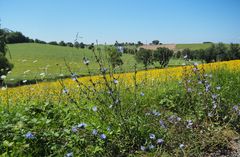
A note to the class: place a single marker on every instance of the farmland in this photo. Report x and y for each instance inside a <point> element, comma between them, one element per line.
<point>47,62</point>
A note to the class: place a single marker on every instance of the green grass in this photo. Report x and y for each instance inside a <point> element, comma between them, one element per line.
<point>193,46</point>
<point>30,60</point>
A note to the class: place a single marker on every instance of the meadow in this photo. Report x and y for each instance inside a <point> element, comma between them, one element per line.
<point>38,62</point>
<point>178,111</point>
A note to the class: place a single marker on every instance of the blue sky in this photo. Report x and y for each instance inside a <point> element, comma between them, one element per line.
<point>170,21</point>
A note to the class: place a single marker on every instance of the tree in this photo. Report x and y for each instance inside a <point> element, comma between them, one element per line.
<point>90,47</point>
<point>82,45</point>
<point>163,55</point>
<point>139,43</point>
<point>115,57</point>
<point>62,43</point>
<point>222,53</point>
<point>234,51</point>
<point>53,43</point>
<point>155,42</point>
<point>144,56</point>
<point>5,66</point>
<point>69,44</point>
<point>76,44</point>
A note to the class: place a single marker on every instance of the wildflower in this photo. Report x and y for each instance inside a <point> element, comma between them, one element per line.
<point>9,72</point>
<point>109,129</point>
<point>179,118</point>
<point>82,125</point>
<point>4,88</point>
<point>74,77</point>
<point>189,123</point>
<point>143,148</point>
<point>86,61</point>
<point>142,94</point>
<point>162,124</point>
<point>3,77</point>
<point>29,135</point>
<point>74,129</point>
<point>235,108</point>
<point>65,91</point>
<point>181,146</point>
<point>207,87</point>
<point>103,136</point>
<point>160,141</point>
<point>210,114</point>
<point>154,112</point>
<point>94,132</point>
<point>120,49</point>
<point>24,81</point>
<point>214,96</point>
<point>189,90</point>
<point>195,64</point>
<point>104,70</point>
<point>69,154</point>
<point>42,74</point>
<point>199,82</point>
<point>151,146</point>
<point>152,136</point>
<point>94,108</point>
<point>115,81</point>
<point>185,57</point>
<point>218,87</point>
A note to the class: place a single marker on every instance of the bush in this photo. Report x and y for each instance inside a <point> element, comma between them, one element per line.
<point>53,43</point>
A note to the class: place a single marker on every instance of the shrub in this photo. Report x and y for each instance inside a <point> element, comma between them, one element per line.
<point>115,57</point>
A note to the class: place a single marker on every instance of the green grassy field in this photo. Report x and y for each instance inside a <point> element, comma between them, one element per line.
<point>32,60</point>
<point>193,46</point>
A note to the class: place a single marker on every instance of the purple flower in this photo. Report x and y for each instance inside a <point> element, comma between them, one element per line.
<point>152,136</point>
<point>181,146</point>
<point>214,96</point>
<point>69,154</point>
<point>143,148</point>
<point>103,136</point>
<point>29,135</point>
<point>82,125</point>
<point>94,108</point>
<point>154,112</point>
<point>94,132</point>
<point>115,81</point>
<point>162,124</point>
<point>74,129</point>
<point>142,94</point>
<point>189,123</point>
<point>235,108</point>
<point>160,141</point>
<point>65,91</point>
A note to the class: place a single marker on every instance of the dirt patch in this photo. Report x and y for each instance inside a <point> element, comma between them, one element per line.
<point>154,47</point>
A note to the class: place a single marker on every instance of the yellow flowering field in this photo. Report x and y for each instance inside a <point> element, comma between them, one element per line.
<point>55,89</point>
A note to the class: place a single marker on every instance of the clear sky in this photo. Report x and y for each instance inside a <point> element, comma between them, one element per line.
<point>170,21</point>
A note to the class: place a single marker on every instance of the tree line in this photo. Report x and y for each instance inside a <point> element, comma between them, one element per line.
<point>216,52</point>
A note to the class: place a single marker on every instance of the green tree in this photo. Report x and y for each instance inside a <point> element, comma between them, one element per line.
<point>163,56</point>
<point>115,57</point>
<point>234,51</point>
<point>5,66</point>
<point>155,42</point>
<point>144,56</point>
<point>62,43</point>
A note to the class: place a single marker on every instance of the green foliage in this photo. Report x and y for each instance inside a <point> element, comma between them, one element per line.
<point>53,43</point>
<point>5,66</point>
<point>115,57</point>
<point>144,56</point>
<point>155,42</point>
<point>62,43</point>
<point>163,55</point>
